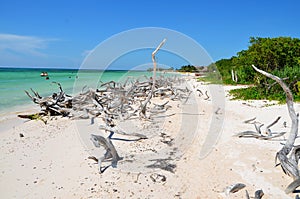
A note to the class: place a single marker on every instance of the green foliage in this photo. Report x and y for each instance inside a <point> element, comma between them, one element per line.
<point>187,68</point>
<point>212,78</point>
<point>211,75</point>
<point>279,56</point>
<point>268,54</point>
<point>224,67</point>
<point>35,116</point>
<point>212,67</point>
<point>254,93</point>
<point>298,88</point>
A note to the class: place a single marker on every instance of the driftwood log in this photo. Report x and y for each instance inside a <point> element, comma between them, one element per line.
<point>267,134</point>
<point>111,152</point>
<point>288,156</point>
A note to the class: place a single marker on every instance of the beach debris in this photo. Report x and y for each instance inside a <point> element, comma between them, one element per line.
<point>36,116</point>
<point>93,158</point>
<point>258,194</point>
<point>200,92</point>
<point>207,96</point>
<point>155,177</point>
<point>140,99</point>
<point>217,112</point>
<point>166,139</point>
<point>114,129</point>
<point>137,177</point>
<point>247,194</point>
<point>288,155</point>
<point>250,121</point>
<point>267,134</point>
<point>234,188</point>
<point>163,164</point>
<point>150,94</point>
<point>110,153</point>
<point>292,186</point>
<point>112,99</point>
<point>21,135</point>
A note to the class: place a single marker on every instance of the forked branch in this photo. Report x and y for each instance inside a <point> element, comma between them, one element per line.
<point>144,105</point>
<point>288,164</point>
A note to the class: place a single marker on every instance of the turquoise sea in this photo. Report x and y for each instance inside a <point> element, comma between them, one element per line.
<point>13,82</point>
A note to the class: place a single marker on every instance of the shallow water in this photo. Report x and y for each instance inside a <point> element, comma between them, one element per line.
<point>13,82</point>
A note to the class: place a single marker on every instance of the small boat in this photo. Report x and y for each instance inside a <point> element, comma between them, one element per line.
<point>44,74</point>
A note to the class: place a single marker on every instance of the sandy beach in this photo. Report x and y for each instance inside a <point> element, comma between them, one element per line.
<point>51,161</point>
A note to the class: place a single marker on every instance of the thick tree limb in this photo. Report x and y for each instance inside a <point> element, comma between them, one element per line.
<point>288,165</point>
<point>111,151</point>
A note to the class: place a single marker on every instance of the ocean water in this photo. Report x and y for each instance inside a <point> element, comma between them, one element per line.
<point>13,82</point>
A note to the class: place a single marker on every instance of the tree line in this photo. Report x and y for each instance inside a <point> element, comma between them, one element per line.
<point>279,56</point>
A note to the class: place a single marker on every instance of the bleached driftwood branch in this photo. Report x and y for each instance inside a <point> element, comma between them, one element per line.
<point>111,151</point>
<point>287,160</point>
<point>144,105</point>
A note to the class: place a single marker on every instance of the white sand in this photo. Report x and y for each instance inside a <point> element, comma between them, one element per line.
<point>51,161</point>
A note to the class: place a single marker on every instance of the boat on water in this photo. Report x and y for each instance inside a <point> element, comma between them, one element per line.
<point>44,74</point>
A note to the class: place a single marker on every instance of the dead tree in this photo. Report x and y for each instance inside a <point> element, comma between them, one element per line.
<point>234,76</point>
<point>288,156</point>
<point>144,105</point>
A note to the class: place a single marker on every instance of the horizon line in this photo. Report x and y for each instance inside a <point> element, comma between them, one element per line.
<point>56,68</point>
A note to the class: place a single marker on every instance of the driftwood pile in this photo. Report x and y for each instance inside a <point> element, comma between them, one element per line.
<point>266,134</point>
<point>114,101</point>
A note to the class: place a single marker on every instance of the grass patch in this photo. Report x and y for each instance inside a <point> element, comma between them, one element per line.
<point>256,93</point>
<point>212,78</point>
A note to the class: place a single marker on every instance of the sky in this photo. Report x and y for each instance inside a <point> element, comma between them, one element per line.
<point>63,34</point>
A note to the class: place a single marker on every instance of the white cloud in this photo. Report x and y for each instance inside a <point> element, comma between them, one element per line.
<point>27,45</point>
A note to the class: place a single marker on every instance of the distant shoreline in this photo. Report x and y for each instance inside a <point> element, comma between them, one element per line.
<point>65,69</point>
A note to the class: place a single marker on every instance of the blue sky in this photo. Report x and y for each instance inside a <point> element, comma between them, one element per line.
<point>61,33</point>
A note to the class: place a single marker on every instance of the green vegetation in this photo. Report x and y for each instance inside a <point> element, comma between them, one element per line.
<point>279,56</point>
<point>298,88</point>
<point>212,76</point>
<point>253,93</point>
<point>187,68</point>
<point>36,116</point>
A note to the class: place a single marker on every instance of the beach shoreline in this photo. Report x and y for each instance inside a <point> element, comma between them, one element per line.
<point>52,160</point>
<point>9,117</point>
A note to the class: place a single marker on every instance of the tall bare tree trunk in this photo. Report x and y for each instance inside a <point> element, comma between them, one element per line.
<point>144,106</point>
<point>232,75</point>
